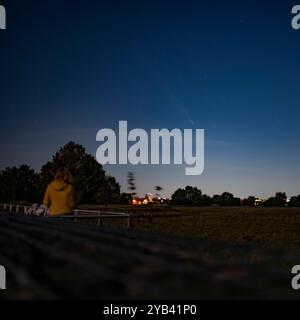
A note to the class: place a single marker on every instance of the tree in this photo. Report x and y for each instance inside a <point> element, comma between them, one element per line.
<point>88,175</point>
<point>193,195</point>
<point>250,201</point>
<point>125,198</point>
<point>131,183</point>
<point>179,197</point>
<point>158,190</point>
<point>190,196</point>
<point>294,202</point>
<point>236,202</point>
<point>216,200</point>
<point>19,185</point>
<point>279,200</point>
<point>109,192</point>
<point>226,199</point>
<point>281,195</point>
<point>206,200</point>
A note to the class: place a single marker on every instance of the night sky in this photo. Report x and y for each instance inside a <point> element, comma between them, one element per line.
<point>70,68</point>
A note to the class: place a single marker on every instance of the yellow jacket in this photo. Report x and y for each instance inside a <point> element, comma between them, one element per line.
<point>60,197</point>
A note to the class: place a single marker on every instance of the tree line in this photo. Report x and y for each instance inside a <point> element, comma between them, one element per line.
<point>192,196</point>
<point>23,184</point>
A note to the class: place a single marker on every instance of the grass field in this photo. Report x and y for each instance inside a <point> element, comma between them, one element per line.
<point>266,227</point>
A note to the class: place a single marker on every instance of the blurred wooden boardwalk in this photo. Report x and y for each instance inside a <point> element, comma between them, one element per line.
<point>51,258</point>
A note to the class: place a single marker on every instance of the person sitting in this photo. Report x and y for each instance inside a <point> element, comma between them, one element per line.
<point>60,195</point>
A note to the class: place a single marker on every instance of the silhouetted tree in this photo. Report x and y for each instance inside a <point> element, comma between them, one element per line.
<point>190,196</point>
<point>294,202</point>
<point>125,198</point>
<point>250,201</point>
<point>216,200</point>
<point>225,199</point>
<point>19,185</point>
<point>89,176</point>
<point>109,192</point>
<point>206,200</point>
<point>193,195</point>
<point>179,197</point>
<point>131,183</point>
<point>279,200</point>
<point>158,190</point>
<point>281,195</point>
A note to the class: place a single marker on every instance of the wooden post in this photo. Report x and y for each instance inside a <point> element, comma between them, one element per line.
<point>99,218</point>
<point>130,222</point>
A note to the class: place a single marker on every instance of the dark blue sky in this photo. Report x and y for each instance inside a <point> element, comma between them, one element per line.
<point>70,68</point>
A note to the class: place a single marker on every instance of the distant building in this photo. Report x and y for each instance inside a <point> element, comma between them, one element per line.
<point>259,201</point>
